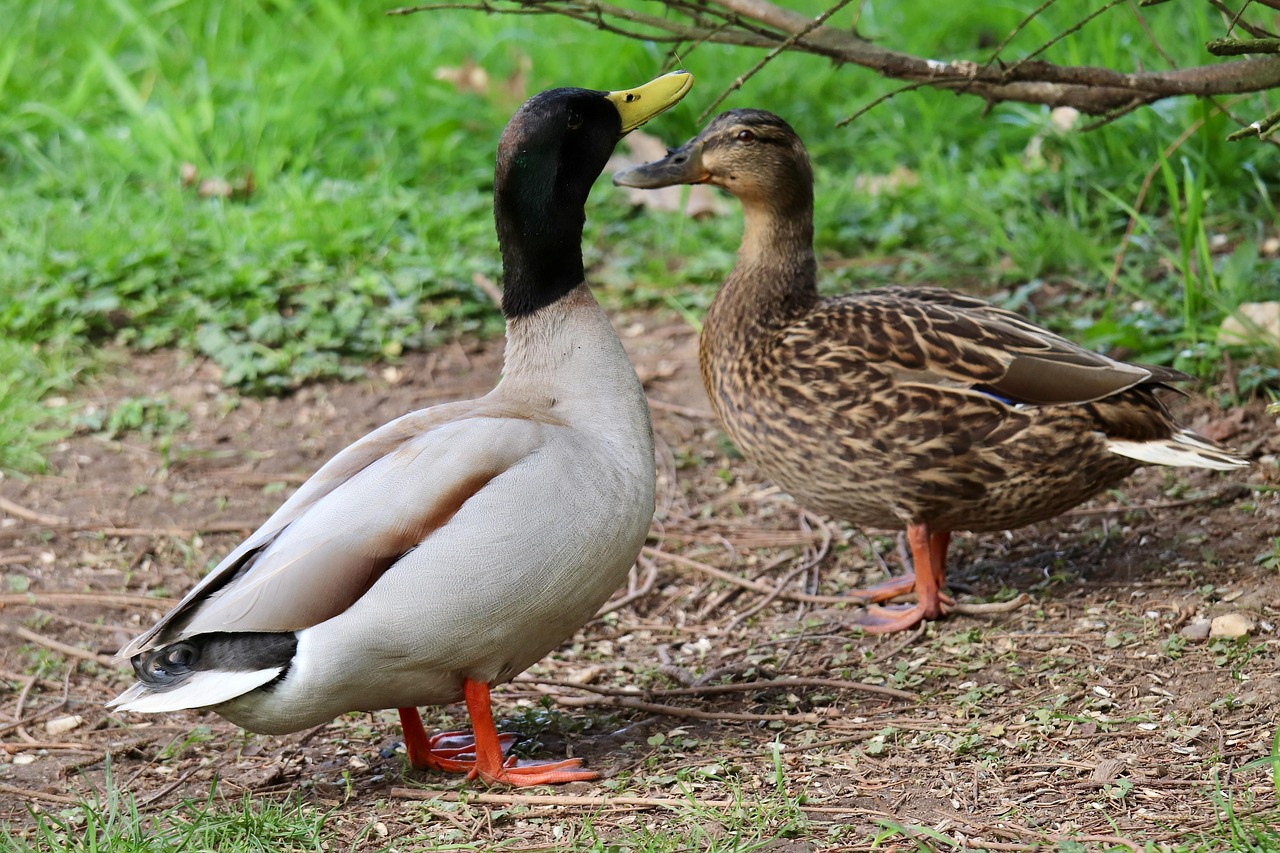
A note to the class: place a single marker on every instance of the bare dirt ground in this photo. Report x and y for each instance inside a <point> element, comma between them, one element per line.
<point>727,673</point>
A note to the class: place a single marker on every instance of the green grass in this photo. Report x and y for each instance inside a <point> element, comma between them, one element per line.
<point>368,220</point>
<point>28,376</point>
<point>116,824</point>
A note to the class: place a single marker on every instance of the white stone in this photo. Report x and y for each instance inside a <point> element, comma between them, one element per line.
<point>1231,625</point>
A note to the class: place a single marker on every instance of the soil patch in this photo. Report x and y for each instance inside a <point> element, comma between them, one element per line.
<point>721,675</point>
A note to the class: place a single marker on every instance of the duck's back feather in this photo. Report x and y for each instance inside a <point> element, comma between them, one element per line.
<point>959,341</point>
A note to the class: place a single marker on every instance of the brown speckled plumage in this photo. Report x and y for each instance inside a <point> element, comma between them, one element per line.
<point>897,407</point>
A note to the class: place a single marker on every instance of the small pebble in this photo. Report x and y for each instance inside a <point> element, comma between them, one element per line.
<point>1197,630</point>
<point>1231,625</point>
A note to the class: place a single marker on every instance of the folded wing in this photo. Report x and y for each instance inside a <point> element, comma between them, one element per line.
<point>350,522</point>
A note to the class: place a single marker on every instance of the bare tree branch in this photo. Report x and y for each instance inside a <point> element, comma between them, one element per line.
<point>762,24</point>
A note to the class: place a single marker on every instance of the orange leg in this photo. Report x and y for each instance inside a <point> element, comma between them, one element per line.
<point>446,752</point>
<point>929,554</point>
<point>482,754</point>
<point>490,765</point>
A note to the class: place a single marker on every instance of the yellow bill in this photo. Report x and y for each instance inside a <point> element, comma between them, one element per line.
<point>638,105</point>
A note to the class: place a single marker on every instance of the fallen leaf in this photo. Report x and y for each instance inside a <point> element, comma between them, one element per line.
<point>469,77</point>
<point>214,188</point>
<point>238,188</point>
<point>900,178</point>
<point>1226,426</point>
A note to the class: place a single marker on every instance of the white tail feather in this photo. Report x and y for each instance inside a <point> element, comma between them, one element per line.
<point>199,690</point>
<point>1184,449</point>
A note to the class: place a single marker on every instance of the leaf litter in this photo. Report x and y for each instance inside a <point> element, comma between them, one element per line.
<point>727,675</point>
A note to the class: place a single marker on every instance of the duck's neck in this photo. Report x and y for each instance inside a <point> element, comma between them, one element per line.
<point>566,360</point>
<point>775,278</point>
<point>541,252</point>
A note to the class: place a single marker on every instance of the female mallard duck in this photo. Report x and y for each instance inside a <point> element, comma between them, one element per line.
<point>452,548</point>
<point>902,407</point>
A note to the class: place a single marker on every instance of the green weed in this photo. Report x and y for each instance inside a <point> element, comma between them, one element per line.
<point>28,416</point>
<point>353,219</point>
<point>113,822</point>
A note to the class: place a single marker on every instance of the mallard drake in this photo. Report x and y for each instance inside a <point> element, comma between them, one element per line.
<point>450,549</point>
<point>902,407</point>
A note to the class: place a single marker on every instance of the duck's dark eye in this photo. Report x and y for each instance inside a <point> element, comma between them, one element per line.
<point>575,121</point>
<point>745,136</point>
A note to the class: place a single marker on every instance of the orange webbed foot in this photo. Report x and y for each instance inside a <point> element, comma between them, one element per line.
<point>887,620</point>
<point>928,553</point>
<point>529,773</point>
<point>886,590</point>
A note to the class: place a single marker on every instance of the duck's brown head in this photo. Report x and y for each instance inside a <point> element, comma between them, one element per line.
<point>753,154</point>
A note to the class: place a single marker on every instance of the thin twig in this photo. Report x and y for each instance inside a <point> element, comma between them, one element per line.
<point>33,717</point>
<point>986,608</point>
<point>35,599</point>
<point>768,57</point>
<point>58,646</point>
<point>18,709</point>
<point>898,647</point>
<point>729,594</point>
<point>677,711</point>
<point>736,687</point>
<point>645,587</point>
<point>866,108</point>
<point>18,511</point>
<point>28,794</point>
<point>769,597</point>
<point>1074,28</point>
<point>559,800</point>
<point>177,532</point>
<point>756,586</point>
<point>12,748</point>
<point>489,288</point>
<point>168,789</point>
<point>1022,25</point>
<point>1258,128</point>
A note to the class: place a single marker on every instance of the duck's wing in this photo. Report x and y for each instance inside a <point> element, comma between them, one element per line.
<point>938,337</point>
<point>352,520</point>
